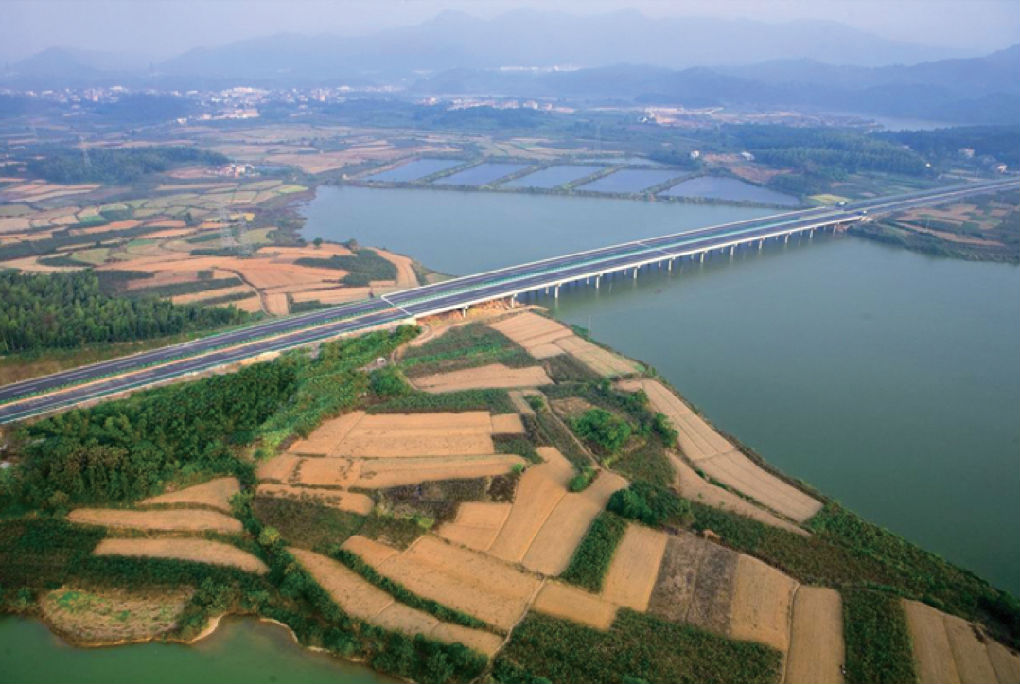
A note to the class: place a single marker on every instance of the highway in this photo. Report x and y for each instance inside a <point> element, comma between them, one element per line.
<point>41,395</point>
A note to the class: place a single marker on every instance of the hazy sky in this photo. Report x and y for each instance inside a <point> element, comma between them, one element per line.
<point>162,28</point>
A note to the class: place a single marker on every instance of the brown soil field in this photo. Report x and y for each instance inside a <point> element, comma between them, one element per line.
<point>324,438</point>
<point>695,583</point>
<point>477,524</point>
<point>816,638</point>
<point>554,544</point>
<point>110,616</point>
<point>714,454</point>
<point>197,550</point>
<point>277,304</point>
<point>762,603</point>
<point>577,605</point>
<point>406,277</point>
<point>634,569</point>
<point>1005,662</point>
<point>531,330</point>
<point>507,424</point>
<point>352,502</point>
<point>358,598</point>
<point>371,551</point>
<point>541,487</point>
<point>692,486</point>
<point>738,471</point>
<point>398,435</point>
<point>933,656</point>
<point>214,493</point>
<point>479,585</point>
<point>970,654</point>
<point>520,402</point>
<point>949,649</point>
<point>180,520</point>
<point>197,297</point>
<point>599,360</point>
<point>335,295</point>
<point>31,264</point>
<point>376,473</point>
<point>493,375</point>
<point>277,469</point>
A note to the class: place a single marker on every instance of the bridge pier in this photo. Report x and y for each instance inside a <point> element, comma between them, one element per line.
<point>701,258</point>
<point>556,292</point>
<point>597,279</point>
<point>786,238</point>
<point>761,243</point>
<point>669,266</point>
<point>635,272</point>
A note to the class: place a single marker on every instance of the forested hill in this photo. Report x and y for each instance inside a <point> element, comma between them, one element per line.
<point>67,310</point>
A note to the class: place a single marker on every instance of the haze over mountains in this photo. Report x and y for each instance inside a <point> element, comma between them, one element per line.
<point>622,56</point>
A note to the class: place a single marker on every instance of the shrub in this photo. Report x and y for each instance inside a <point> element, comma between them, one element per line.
<point>602,429</point>
<point>591,559</point>
<point>648,503</point>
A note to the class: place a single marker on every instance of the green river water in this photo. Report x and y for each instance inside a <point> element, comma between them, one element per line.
<point>889,380</point>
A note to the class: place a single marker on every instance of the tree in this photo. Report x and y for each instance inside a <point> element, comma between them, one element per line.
<point>317,242</point>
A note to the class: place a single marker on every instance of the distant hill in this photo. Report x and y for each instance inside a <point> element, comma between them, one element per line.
<point>530,37</point>
<point>976,90</point>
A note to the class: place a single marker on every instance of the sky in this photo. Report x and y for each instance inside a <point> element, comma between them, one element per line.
<point>158,29</point>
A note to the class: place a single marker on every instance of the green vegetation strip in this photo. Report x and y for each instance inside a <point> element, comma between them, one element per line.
<point>636,648</point>
<point>591,559</point>
<point>878,649</point>
<point>362,266</point>
<point>491,400</point>
<point>461,347</point>
<point>403,594</point>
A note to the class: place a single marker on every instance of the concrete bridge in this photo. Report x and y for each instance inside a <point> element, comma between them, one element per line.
<point>87,383</point>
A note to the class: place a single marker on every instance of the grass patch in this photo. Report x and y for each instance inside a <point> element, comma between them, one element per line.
<point>591,558</point>
<point>878,649</point>
<point>491,400</point>
<point>362,266</point>
<point>646,463</point>
<point>549,431</point>
<point>636,648</point>
<point>465,346</point>
<point>311,525</point>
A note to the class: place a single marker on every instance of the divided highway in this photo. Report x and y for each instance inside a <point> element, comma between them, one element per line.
<point>41,395</point>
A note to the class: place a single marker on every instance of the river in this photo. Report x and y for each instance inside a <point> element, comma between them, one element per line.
<point>887,379</point>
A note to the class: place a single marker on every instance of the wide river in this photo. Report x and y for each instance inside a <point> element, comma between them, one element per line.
<point>889,380</point>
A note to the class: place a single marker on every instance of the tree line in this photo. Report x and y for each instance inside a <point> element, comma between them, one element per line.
<point>67,310</point>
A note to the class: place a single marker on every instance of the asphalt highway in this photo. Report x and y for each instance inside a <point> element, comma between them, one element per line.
<point>40,395</point>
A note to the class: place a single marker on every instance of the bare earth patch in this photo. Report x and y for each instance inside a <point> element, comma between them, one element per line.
<point>113,616</point>
<point>692,486</point>
<point>366,602</point>
<point>816,638</point>
<point>477,524</point>
<point>695,583</point>
<point>635,567</point>
<point>544,338</point>
<point>183,548</point>
<point>398,434</point>
<point>477,584</point>
<point>575,604</point>
<point>762,603</point>
<point>171,520</point>
<point>493,375</point>
<point>507,424</point>
<point>376,473</point>
<point>214,493</point>
<point>540,489</point>
<point>278,468</point>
